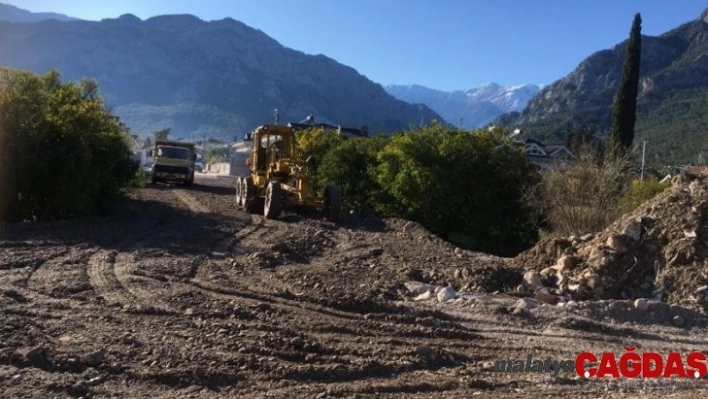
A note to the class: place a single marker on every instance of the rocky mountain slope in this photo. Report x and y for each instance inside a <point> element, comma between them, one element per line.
<point>11,13</point>
<point>471,108</point>
<point>672,100</point>
<point>218,78</point>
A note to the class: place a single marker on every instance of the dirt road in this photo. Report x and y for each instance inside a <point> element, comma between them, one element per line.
<point>179,295</point>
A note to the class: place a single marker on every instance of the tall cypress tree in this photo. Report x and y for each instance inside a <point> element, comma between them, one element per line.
<point>624,113</point>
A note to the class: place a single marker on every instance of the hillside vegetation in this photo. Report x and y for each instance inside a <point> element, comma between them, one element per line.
<point>673,94</point>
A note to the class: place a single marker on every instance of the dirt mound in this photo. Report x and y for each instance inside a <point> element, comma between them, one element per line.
<point>658,251</point>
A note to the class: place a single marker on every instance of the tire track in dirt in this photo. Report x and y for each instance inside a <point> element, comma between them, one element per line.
<point>110,271</point>
<point>125,264</point>
<point>57,270</point>
<point>102,278</point>
<point>191,202</point>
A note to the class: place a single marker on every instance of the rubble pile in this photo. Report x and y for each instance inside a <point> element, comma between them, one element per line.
<point>659,251</point>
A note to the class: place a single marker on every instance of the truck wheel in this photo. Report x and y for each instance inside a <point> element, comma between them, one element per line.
<point>273,200</point>
<point>332,203</point>
<point>190,180</point>
<point>239,192</point>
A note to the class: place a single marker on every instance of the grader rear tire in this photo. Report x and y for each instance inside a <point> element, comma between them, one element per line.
<point>273,201</point>
<point>332,203</point>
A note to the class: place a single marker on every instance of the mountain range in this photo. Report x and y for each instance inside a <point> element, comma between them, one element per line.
<point>468,109</point>
<point>672,100</point>
<point>11,13</point>
<point>202,78</point>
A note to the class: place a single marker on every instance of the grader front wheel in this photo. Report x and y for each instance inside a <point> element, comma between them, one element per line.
<point>273,201</point>
<point>250,200</point>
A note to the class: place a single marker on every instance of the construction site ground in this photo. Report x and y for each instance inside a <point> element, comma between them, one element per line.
<point>180,295</point>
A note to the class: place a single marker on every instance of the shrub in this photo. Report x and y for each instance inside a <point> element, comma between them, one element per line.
<point>582,196</point>
<point>314,144</point>
<point>350,166</point>
<point>63,154</point>
<point>640,191</point>
<point>467,184</point>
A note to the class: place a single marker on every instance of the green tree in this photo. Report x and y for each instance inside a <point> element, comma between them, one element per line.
<point>350,166</point>
<point>467,187</point>
<point>313,145</point>
<point>624,113</point>
<point>63,154</point>
<point>162,134</point>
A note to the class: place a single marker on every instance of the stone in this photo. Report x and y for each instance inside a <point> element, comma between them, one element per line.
<point>587,237</point>
<point>37,351</point>
<point>417,288</point>
<point>425,351</point>
<point>297,342</point>
<point>544,296</point>
<point>457,274</point>
<point>641,304</point>
<point>525,303</point>
<point>409,226</point>
<point>424,296</point>
<point>615,243</point>
<point>690,233</point>
<point>633,230</point>
<point>532,280</point>
<point>566,262</point>
<point>94,359</point>
<point>548,272</point>
<point>466,273</point>
<point>518,311</point>
<point>446,294</point>
<point>678,321</point>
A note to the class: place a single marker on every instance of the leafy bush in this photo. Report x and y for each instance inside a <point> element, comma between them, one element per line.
<point>349,166</point>
<point>315,144</point>
<point>640,191</point>
<point>468,184</point>
<point>464,186</point>
<point>62,154</point>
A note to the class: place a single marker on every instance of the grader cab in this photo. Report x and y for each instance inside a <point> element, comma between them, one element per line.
<point>279,179</point>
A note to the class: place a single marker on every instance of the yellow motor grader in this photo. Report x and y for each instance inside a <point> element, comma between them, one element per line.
<point>278,178</point>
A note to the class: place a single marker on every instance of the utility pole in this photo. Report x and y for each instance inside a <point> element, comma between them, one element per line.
<point>276,116</point>
<point>644,151</point>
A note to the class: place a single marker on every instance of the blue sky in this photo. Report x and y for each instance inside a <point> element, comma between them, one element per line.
<point>442,44</point>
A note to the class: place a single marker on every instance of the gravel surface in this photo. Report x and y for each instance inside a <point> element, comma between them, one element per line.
<point>180,295</point>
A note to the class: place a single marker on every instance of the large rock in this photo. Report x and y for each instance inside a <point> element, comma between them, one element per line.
<point>615,243</point>
<point>633,230</point>
<point>446,294</point>
<point>532,280</point>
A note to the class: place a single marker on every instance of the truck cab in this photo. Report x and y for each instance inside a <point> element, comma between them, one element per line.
<point>174,161</point>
